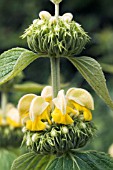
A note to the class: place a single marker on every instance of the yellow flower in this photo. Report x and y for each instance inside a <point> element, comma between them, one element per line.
<point>13,118</point>
<point>36,109</point>
<point>10,117</point>
<point>77,101</point>
<point>60,114</point>
<point>82,101</point>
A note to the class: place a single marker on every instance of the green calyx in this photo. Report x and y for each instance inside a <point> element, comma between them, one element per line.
<point>59,139</point>
<point>10,137</point>
<point>56,37</point>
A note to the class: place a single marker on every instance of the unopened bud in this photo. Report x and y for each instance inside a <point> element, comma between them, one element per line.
<point>44,15</point>
<point>28,142</point>
<point>82,125</point>
<point>53,133</point>
<point>67,17</point>
<point>35,137</point>
<point>40,22</point>
<point>53,20</point>
<point>35,21</point>
<point>24,129</point>
<point>65,130</point>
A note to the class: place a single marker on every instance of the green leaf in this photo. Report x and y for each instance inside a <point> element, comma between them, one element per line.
<point>31,161</point>
<point>6,159</point>
<point>93,160</point>
<point>14,61</point>
<point>92,72</point>
<point>29,87</point>
<point>90,160</point>
<point>64,162</point>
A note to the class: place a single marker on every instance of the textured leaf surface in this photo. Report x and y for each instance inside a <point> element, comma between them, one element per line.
<point>90,160</point>
<point>31,161</point>
<point>92,72</point>
<point>63,163</point>
<point>6,159</point>
<point>94,160</point>
<point>14,61</point>
<point>29,87</point>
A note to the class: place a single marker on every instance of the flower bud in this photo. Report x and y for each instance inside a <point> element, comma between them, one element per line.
<point>44,15</point>
<point>35,137</point>
<point>35,21</point>
<point>28,142</point>
<point>65,130</point>
<point>53,20</point>
<point>24,130</point>
<point>53,133</point>
<point>67,17</point>
<point>82,125</point>
<point>40,22</point>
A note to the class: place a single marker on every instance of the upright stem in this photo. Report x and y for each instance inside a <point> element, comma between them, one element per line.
<point>55,65</point>
<point>55,75</point>
<point>56,10</point>
<point>3,103</point>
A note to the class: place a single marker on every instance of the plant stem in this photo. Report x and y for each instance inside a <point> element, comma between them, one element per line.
<point>55,65</point>
<point>56,10</point>
<point>4,103</point>
<point>55,75</point>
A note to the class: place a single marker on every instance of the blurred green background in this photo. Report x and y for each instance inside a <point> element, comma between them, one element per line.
<point>96,17</point>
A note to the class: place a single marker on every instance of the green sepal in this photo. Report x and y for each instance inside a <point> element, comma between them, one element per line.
<point>92,72</point>
<point>89,160</point>
<point>6,159</point>
<point>31,161</point>
<point>14,61</point>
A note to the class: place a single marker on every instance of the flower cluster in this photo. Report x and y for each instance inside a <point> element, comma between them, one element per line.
<point>40,112</point>
<point>56,37</point>
<point>57,125</point>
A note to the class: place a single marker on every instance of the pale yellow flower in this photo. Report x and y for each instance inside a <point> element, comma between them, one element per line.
<point>36,109</point>
<point>13,118</point>
<point>77,101</point>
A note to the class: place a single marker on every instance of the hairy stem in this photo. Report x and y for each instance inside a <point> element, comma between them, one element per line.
<point>55,75</point>
<point>3,103</point>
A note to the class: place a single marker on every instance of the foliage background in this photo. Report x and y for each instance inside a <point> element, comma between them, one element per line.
<point>96,17</point>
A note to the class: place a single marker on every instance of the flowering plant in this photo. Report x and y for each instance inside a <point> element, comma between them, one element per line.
<point>56,124</point>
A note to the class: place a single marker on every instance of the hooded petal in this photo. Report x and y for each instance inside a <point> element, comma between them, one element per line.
<point>81,97</point>
<point>47,93</point>
<point>37,107</point>
<point>24,103</point>
<point>60,102</point>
